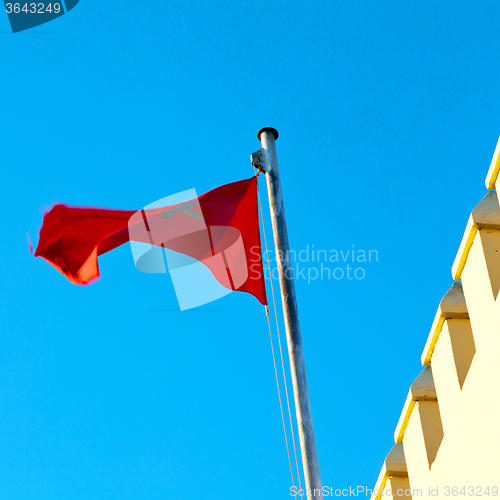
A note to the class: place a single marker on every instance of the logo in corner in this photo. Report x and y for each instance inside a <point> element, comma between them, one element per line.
<point>24,15</point>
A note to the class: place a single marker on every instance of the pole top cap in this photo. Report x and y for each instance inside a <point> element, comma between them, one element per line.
<point>268,129</point>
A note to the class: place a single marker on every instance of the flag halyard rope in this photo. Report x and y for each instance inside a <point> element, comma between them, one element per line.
<point>257,173</point>
<point>279,395</point>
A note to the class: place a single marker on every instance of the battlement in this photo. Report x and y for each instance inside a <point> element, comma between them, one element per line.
<point>448,434</point>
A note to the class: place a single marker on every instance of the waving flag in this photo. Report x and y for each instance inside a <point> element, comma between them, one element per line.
<point>220,229</point>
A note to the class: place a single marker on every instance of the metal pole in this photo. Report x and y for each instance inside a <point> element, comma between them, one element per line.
<point>268,160</point>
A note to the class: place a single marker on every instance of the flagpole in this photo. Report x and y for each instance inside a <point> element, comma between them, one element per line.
<point>266,159</point>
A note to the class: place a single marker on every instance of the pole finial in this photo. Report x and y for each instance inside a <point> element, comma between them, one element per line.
<point>268,129</point>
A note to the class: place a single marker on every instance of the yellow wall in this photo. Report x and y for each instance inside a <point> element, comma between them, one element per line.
<point>449,430</point>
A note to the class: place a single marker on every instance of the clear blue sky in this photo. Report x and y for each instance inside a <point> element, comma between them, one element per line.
<point>388,114</point>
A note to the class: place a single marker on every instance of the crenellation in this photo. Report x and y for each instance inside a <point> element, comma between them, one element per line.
<point>448,427</point>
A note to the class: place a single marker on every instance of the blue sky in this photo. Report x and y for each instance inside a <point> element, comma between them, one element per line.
<point>388,114</point>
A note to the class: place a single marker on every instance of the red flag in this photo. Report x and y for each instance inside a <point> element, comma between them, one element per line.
<point>220,229</point>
